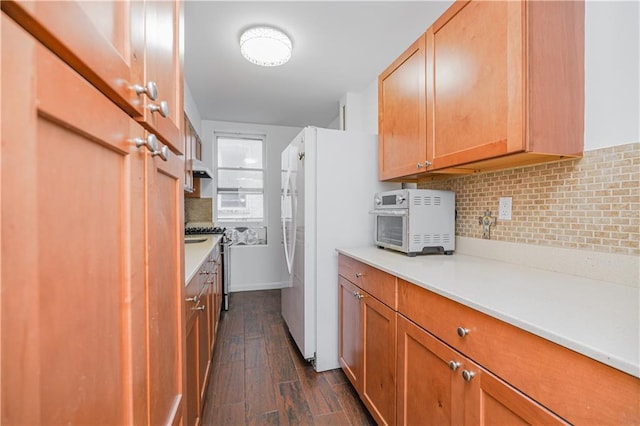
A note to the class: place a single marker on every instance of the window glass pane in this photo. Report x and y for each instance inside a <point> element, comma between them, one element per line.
<point>240,179</point>
<point>240,153</point>
<point>239,207</point>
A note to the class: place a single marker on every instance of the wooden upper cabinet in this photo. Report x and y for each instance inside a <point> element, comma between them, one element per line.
<point>116,46</point>
<point>162,65</point>
<point>513,88</point>
<point>402,115</point>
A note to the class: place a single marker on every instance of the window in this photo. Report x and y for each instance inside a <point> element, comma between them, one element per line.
<point>240,194</point>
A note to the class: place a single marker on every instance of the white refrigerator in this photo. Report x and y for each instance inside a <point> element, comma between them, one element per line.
<point>329,178</point>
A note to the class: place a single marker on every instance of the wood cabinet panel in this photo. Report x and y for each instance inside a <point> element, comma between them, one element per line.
<point>350,345</point>
<point>116,45</point>
<point>402,114</point>
<point>378,283</point>
<point>433,390</point>
<point>66,293</point>
<point>379,360</point>
<point>586,392</point>
<point>495,90</point>
<point>165,288</point>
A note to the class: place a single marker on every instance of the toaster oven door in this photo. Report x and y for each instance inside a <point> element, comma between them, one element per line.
<point>391,229</point>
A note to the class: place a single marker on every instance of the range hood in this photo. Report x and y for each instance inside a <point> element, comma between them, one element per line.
<point>200,170</point>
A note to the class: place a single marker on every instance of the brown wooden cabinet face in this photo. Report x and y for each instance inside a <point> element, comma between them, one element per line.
<point>165,286</point>
<point>350,345</point>
<point>379,361</point>
<point>402,115</point>
<point>429,391</point>
<point>469,92</point>
<point>67,268</point>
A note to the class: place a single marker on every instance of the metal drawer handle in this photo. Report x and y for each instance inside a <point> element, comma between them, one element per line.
<point>162,153</point>
<point>151,142</point>
<point>467,375</point>
<point>193,299</point>
<point>151,90</point>
<point>162,108</point>
<point>199,308</point>
<point>462,332</point>
<point>454,365</point>
<point>358,274</point>
<point>204,272</point>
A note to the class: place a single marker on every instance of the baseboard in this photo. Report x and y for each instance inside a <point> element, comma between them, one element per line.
<point>257,286</point>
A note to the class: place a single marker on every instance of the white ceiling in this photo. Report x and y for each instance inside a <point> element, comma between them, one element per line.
<point>338,47</point>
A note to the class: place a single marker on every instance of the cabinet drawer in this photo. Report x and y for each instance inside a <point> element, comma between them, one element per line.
<point>577,388</point>
<point>377,283</point>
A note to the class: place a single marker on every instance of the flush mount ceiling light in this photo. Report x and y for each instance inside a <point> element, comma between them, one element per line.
<point>265,46</point>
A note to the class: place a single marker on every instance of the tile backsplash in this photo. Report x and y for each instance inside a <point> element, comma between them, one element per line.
<point>592,203</point>
<point>198,210</point>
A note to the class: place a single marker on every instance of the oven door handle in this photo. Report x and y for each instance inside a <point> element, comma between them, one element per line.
<point>402,212</point>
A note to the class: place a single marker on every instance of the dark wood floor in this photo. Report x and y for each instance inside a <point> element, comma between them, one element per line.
<point>260,378</point>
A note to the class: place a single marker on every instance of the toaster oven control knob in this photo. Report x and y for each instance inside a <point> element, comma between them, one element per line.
<point>400,199</point>
<point>378,201</point>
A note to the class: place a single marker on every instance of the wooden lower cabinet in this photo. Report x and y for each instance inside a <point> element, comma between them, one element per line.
<point>367,349</point>
<point>438,385</point>
<point>202,314</point>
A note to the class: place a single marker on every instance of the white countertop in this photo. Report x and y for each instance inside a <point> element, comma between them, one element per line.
<point>195,254</point>
<point>595,318</point>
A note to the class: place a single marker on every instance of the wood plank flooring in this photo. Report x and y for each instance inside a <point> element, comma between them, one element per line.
<point>259,377</point>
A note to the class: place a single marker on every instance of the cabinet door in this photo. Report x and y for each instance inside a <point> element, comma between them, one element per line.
<point>96,45</point>
<point>490,401</point>
<point>474,86</point>
<point>163,65</point>
<point>192,411</point>
<point>430,390</point>
<point>351,343</point>
<point>379,363</point>
<point>402,115</point>
<point>165,287</point>
<point>70,180</point>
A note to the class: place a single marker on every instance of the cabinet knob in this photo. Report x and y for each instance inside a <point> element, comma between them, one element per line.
<point>427,163</point>
<point>419,165</point>
<point>358,274</point>
<point>467,375</point>
<point>162,108</point>
<point>162,153</point>
<point>359,296</point>
<point>462,332</point>
<point>193,299</point>
<point>151,142</point>
<point>151,90</point>
<point>204,272</point>
<point>454,365</point>
<point>199,308</point>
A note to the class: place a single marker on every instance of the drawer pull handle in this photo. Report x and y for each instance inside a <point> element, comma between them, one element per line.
<point>199,308</point>
<point>358,274</point>
<point>151,142</point>
<point>162,153</point>
<point>193,299</point>
<point>162,108</point>
<point>462,332</point>
<point>467,375</point>
<point>151,90</point>
<point>454,365</point>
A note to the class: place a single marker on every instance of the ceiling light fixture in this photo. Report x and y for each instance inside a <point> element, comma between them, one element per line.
<point>265,46</point>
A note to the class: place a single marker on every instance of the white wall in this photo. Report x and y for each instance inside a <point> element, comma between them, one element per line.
<point>191,110</point>
<point>612,88</point>
<point>255,267</point>
<point>612,57</point>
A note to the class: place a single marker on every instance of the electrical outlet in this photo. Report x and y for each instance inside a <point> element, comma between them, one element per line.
<point>504,209</point>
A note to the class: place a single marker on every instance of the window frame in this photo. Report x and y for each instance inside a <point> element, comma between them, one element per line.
<point>246,136</point>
